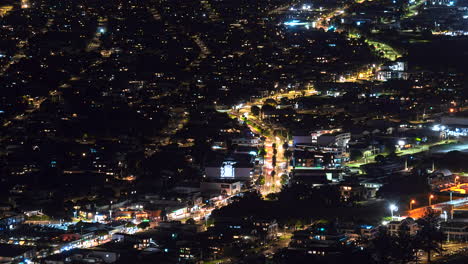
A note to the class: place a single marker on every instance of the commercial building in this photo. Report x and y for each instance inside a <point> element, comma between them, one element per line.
<point>315,177</point>
<point>455,231</point>
<point>246,141</point>
<point>225,187</point>
<point>230,169</point>
<point>454,125</point>
<point>393,71</point>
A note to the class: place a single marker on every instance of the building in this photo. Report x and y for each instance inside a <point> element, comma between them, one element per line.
<point>230,169</point>
<point>16,254</point>
<point>408,224</point>
<point>315,177</point>
<point>455,231</point>
<point>354,192</point>
<point>138,241</point>
<point>318,240</point>
<point>441,179</point>
<point>454,125</point>
<point>393,71</point>
<point>231,229</point>
<point>251,142</point>
<point>83,256</point>
<point>315,135</point>
<point>384,168</point>
<point>9,222</point>
<point>225,187</point>
<point>302,138</point>
<point>339,140</point>
<point>313,159</point>
<point>372,186</point>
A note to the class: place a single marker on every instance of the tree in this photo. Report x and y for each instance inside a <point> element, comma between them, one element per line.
<point>261,180</point>
<point>379,158</point>
<point>272,196</point>
<point>101,233</point>
<point>287,154</point>
<point>284,179</point>
<point>128,225</point>
<point>255,110</point>
<point>390,148</point>
<point>267,109</point>
<point>262,152</point>
<point>355,154</point>
<point>404,247</point>
<point>143,225</point>
<point>284,101</point>
<point>429,236</point>
<point>190,221</point>
<point>380,246</point>
<point>393,249</point>
<point>271,102</point>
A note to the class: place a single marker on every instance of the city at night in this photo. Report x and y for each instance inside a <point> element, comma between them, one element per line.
<point>234,131</point>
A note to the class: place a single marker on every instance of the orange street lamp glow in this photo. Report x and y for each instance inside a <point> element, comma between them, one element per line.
<point>411,204</point>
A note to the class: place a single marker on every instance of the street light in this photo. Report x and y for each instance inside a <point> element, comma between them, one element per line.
<point>411,204</point>
<point>393,208</point>
<point>430,199</point>
<point>457,179</point>
<point>401,143</point>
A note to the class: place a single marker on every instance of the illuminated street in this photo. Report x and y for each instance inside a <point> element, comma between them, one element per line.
<point>233,132</point>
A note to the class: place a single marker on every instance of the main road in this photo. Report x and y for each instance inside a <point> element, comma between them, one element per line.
<point>260,126</point>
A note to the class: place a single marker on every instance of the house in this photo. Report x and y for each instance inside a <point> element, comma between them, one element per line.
<point>372,186</point>
<point>408,223</point>
<point>318,240</point>
<point>354,192</point>
<point>138,241</point>
<point>231,229</point>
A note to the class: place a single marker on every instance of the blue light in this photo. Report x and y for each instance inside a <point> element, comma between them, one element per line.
<point>295,22</point>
